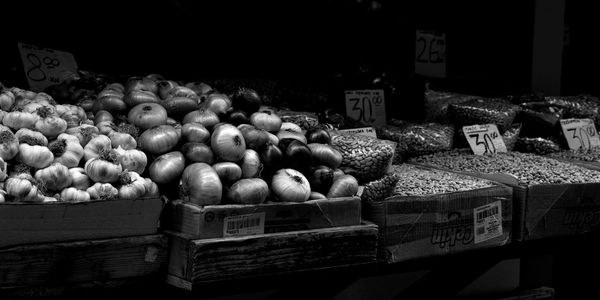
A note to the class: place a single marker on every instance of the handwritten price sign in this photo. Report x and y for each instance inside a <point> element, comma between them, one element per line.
<point>44,67</point>
<point>580,133</point>
<point>484,139</point>
<point>430,54</point>
<point>367,106</point>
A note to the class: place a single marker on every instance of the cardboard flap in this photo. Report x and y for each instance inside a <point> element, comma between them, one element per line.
<point>540,199</point>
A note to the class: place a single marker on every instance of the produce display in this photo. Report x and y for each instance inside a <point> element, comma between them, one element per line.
<point>151,132</point>
<point>526,168</point>
<point>484,111</point>
<point>418,181</point>
<point>417,139</point>
<point>368,158</point>
<point>583,155</point>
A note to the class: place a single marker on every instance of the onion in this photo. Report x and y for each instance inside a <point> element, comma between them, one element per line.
<point>296,155</point>
<point>141,84</point>
<point>110,92</point>
<point>218,103</point>
<point>159,140</point>
<point>195,132</point>
<point>266,120</point>
<point>199,88</point>
<point>109,103</point>
<point>102,115</point>
<point>228,143</point>
<point>247,100</point>
<point>133,98</point>
<point>326,155</point>
<point>272,158</point>
<point>290,185</point>
<point>273,139</point>
<point>343,186</point>
<point>251,165</point>
<point>248,191</point>
<point>255,138</point>
<point>283,134</point>
<point>197,152</point>
<point>164,86</point>
<point>147,115</point>
<point>289,126</point>
<point>179,106</point>
<point>316,196</point>
<point>205,117</point>
<point>317,135</point>
<point>228,172</point>
<point>237,117</point>
<point>182,91</point>
<point>337,173</point>
<point>200,184</point>
<point>321,179</point>
<point>167,167</point>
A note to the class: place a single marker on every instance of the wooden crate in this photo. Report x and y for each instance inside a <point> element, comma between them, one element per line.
<point>59,264</point>
<point>205,260</point>
<point>209,221</point>
<point>27,223</point>
<point>413,227</point>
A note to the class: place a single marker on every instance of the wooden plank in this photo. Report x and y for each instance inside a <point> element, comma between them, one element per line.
<point>208,221</point>
<point>82,261</point>
<point>215,259</point>
<point>22,223</point>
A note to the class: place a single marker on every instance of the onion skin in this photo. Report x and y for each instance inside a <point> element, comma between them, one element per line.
<point>283,134</point>
<point>250,164</point>
<point>179,106</point>
<point>147,115</point>
<point>256,139</point>
<point>289,126</point>
<point>198,152</point>
<point>205,117</point>
<point>316,196</point>
<point>195,132</point>
<point>343,186</point>
<point>228,143</point>
<point>324,154</point>
<point>289,185</point>
<point>218,103</point>
<point>159,140</point>
<point>228,172</point>
<point>248,191</point>
<point>167,167</point>
<point>200,185</point>
<point>136,97</point>
<point>266,120</point>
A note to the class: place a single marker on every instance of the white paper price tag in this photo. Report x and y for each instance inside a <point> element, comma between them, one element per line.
<point>366,131</point>
<point>244,225</point>
<point>487,222</point>
<point>367,106</point>
<point>45,67</point>
<point>580,133</point>
<point>484,139</point>
<point>430,54</point>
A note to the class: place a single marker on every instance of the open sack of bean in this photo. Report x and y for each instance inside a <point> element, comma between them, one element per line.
<point>484,111</point>
<point>364,157</point>
<point>417,139</point>
<point>437,102</point>
<point>526,168</point>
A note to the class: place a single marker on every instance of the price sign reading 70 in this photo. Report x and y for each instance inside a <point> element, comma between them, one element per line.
<point>366,106</point>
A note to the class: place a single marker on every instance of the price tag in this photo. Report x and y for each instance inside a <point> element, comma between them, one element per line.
<point>580,133</point>
<point>487,222</point>
<point>430,54</point>
<point>244,225</point>
<point>484,139</point>
<point>366,131</point>
<point>44,67</point>
<point>367,106</point>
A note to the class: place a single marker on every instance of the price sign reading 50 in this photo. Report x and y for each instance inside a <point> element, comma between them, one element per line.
<point>580,133</point>
<point>366,106</point>
<point>484,139</point>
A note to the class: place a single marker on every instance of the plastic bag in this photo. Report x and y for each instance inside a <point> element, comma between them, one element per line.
<point>537,145</point>
<point>418,139</point>
<point>436,104</point>
<point>484,111</point>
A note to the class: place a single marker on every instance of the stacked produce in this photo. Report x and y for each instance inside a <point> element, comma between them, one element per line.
<point>418,181</point>
<point>526,168</point>
<point>51,152</point>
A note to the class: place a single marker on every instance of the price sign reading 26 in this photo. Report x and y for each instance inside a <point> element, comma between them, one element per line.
<point>430,54</point>
<point>484,139</point>
<point>366,106</point>
<point>580,133</point>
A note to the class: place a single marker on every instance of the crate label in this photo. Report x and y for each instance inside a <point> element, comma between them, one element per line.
<point>580,133</point>
<point>484,139</point>
<point>367,106</point>
<point>44,67</point>
<point>430,54</point>
<point>244,225</point>
<point>366,131</point>
<point>488,222</point>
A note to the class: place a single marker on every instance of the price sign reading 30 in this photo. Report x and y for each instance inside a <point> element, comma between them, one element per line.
<point>367,106</point>
<point>44,67</point>
<point>484,139</point>
<point>580,133</point>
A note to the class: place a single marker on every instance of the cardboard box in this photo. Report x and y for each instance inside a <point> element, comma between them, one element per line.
<point>92,261</point>
<point>551,210</point>
<point>209,221</point>
<point>207,260</point>
<point>27,223</point>
<point>423,226</point>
